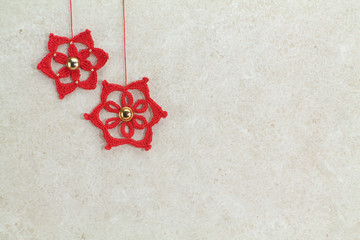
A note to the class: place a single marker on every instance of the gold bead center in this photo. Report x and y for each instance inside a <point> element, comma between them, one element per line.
<point>126,114</point>
<point>73,63</point>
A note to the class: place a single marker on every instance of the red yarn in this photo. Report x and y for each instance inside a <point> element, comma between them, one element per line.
<point>138,121</point>
<point>71,20</point>
<point>125,68</point>
<point>83,38</point>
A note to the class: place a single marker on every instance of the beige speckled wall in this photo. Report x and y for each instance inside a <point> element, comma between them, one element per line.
<point>262,140</point>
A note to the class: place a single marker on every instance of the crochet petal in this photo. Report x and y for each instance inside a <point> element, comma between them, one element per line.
<point>136,119</point>
<point>45,66</point>
<point>84,54</point>
<point>141,86</point>
<point>84,38</point>
<point>60,58</point>
<point>140,106</point>
<point>64,72</point>
<point>75,75</point>
<point>90,83</point>
<point>126,99</point>
<point>72,51</point>
<point>111,106</point>
<point>101,57</point>
<point>64,88</point>
<point>157,112</point>
<point>86,65</point>
<point>56,41</point>
<point>130,127</point>
<point>112,122</point>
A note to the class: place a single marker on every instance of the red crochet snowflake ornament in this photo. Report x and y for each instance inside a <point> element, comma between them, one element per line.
<point>126,100</point>
<point>81,58</point>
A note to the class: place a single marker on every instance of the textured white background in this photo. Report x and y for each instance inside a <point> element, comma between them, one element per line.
<point>262,140</point>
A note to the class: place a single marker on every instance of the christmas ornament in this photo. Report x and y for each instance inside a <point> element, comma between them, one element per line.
<point>127,115</point>
<point>73,61</point>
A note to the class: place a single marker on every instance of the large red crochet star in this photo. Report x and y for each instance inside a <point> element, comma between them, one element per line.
<point>127,116</point>
<point>69,69</point>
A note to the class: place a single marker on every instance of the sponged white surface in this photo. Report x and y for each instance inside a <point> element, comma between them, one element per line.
<point>262,140</point>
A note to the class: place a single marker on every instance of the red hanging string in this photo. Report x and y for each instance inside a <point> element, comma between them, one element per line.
<point>72,35</point>
<point>71,20</point>
<point>124,44</point>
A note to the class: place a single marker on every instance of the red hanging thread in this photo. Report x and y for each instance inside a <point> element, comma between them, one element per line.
<point>136,108</point>
<point>71,19</point>
<point>124,43</point>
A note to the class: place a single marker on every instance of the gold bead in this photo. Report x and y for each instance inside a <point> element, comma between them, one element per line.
<point>126,114</point>
<point>73,63</point>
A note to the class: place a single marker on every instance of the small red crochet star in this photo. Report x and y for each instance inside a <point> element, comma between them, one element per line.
<point>127,114</point>
<point>72,62</point>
